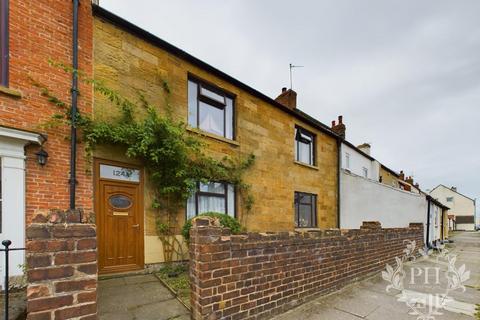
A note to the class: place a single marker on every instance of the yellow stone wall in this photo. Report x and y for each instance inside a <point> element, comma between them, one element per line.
<point>388,178</point>
<point>445,224</point>
<point>127,63</point>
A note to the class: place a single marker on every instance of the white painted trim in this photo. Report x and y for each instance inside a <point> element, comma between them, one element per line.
<point>21,135</point>
<point>12,154</point>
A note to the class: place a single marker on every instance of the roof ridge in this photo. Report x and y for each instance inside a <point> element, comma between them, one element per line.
<point>155,40</point>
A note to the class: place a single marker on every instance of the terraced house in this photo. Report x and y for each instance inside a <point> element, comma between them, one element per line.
<point>81,212</point>
<point>57,201</point>
<point>294,179</point>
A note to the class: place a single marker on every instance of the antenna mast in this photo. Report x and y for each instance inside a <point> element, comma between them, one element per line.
<point>291,78</point>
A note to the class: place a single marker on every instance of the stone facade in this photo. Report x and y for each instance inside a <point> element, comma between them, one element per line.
<point>258,275</point>
<point>128,63</point>
<point>388,178</point>
<point>61,267</point>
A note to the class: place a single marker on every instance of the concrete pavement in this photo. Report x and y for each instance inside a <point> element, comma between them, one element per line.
<point>369,300</point>
<point>140,297</point>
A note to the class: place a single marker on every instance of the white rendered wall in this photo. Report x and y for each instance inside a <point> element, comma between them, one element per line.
<point>367,200</point>
<point>358,162</point>
<point>459,206</point>
<point>465,226</point>
<point>435,232</point>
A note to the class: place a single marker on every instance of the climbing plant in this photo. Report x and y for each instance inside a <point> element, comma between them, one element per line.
<point>174,158</point>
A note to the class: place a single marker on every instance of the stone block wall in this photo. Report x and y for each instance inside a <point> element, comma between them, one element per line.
<point>256,276</point>
<point>128,63</point>
<point>61,267</point>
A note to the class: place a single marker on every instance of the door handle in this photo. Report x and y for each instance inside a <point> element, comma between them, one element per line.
<point>135,226</point>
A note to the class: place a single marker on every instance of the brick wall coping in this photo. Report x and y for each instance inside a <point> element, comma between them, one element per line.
<point>223,234</point>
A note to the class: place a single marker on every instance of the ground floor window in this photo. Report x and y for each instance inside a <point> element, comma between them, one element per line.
<point>212,197</point>
<point>305,210</point>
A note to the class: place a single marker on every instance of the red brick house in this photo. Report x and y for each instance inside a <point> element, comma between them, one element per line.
<point>31,34</point>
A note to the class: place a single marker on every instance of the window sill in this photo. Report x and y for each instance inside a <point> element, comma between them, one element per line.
<point>212,136</point>
<point>307,229</point>
<point>10,92</point>
<point>306,165</point>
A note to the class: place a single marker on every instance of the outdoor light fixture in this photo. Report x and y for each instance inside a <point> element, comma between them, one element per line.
<point>42,157</point>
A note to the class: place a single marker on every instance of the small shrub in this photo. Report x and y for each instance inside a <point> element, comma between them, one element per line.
<point>173,270</point>
<point>225,221</point>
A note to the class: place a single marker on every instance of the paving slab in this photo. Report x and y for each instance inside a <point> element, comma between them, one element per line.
<point>138,297</point>
<point>160,311</point>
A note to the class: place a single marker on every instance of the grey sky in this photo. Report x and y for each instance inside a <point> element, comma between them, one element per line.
<point>404,74</point>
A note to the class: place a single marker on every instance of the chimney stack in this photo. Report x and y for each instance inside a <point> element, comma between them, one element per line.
<point>365,147</point>
<point>409,180</point>
<point>339,128</point>
<point>454,189</point>
<point>288,98</point>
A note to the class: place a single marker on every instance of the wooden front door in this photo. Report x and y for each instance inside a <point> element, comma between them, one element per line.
<point>119,208</point>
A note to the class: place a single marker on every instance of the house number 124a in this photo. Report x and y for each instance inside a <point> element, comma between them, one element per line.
<point>119,173</point>
<point>127,173</point>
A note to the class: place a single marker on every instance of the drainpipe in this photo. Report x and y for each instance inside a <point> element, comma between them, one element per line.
<point>339,158</point>
<point>73,128</point>
<point>428,224</point>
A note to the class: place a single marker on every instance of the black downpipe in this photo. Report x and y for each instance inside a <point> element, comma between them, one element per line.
<point>339,158</point>
<point>5,56</point>
<point>73,129</point>
<point>428,224</point>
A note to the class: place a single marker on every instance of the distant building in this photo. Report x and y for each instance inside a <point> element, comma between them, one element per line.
<point>364,197</point>
<point>397,180</point>
<point>437,222</point>
<point>357,160</point>
<point>462,208</point>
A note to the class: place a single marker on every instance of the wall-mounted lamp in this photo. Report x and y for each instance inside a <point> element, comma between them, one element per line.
<point>42,157</point>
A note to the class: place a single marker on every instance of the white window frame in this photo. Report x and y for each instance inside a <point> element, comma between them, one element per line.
<point>365,172</point>
<point>306,137</point>
<point>212,97</point>
<point>347,160</point>
<point>229,198</point>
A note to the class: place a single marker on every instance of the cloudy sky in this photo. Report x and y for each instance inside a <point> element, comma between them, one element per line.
<point>404,74</point>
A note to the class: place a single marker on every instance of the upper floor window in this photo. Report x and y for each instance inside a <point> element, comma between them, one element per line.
<point>4,51</point>
<point>365,172</point>
<point>305,210</point>
<point>347,160</point>
<point>210,109</point>
<point>304,146</point>
<point>212,197</point>
<point>449,199</point>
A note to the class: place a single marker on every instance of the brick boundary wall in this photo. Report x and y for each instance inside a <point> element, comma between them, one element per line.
<point>61,266</point>
<point>259,275</point>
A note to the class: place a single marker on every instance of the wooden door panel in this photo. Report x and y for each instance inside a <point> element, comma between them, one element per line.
<point>120,226</point>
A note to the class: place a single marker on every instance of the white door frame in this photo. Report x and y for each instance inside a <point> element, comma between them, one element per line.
<point>12,154</point>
